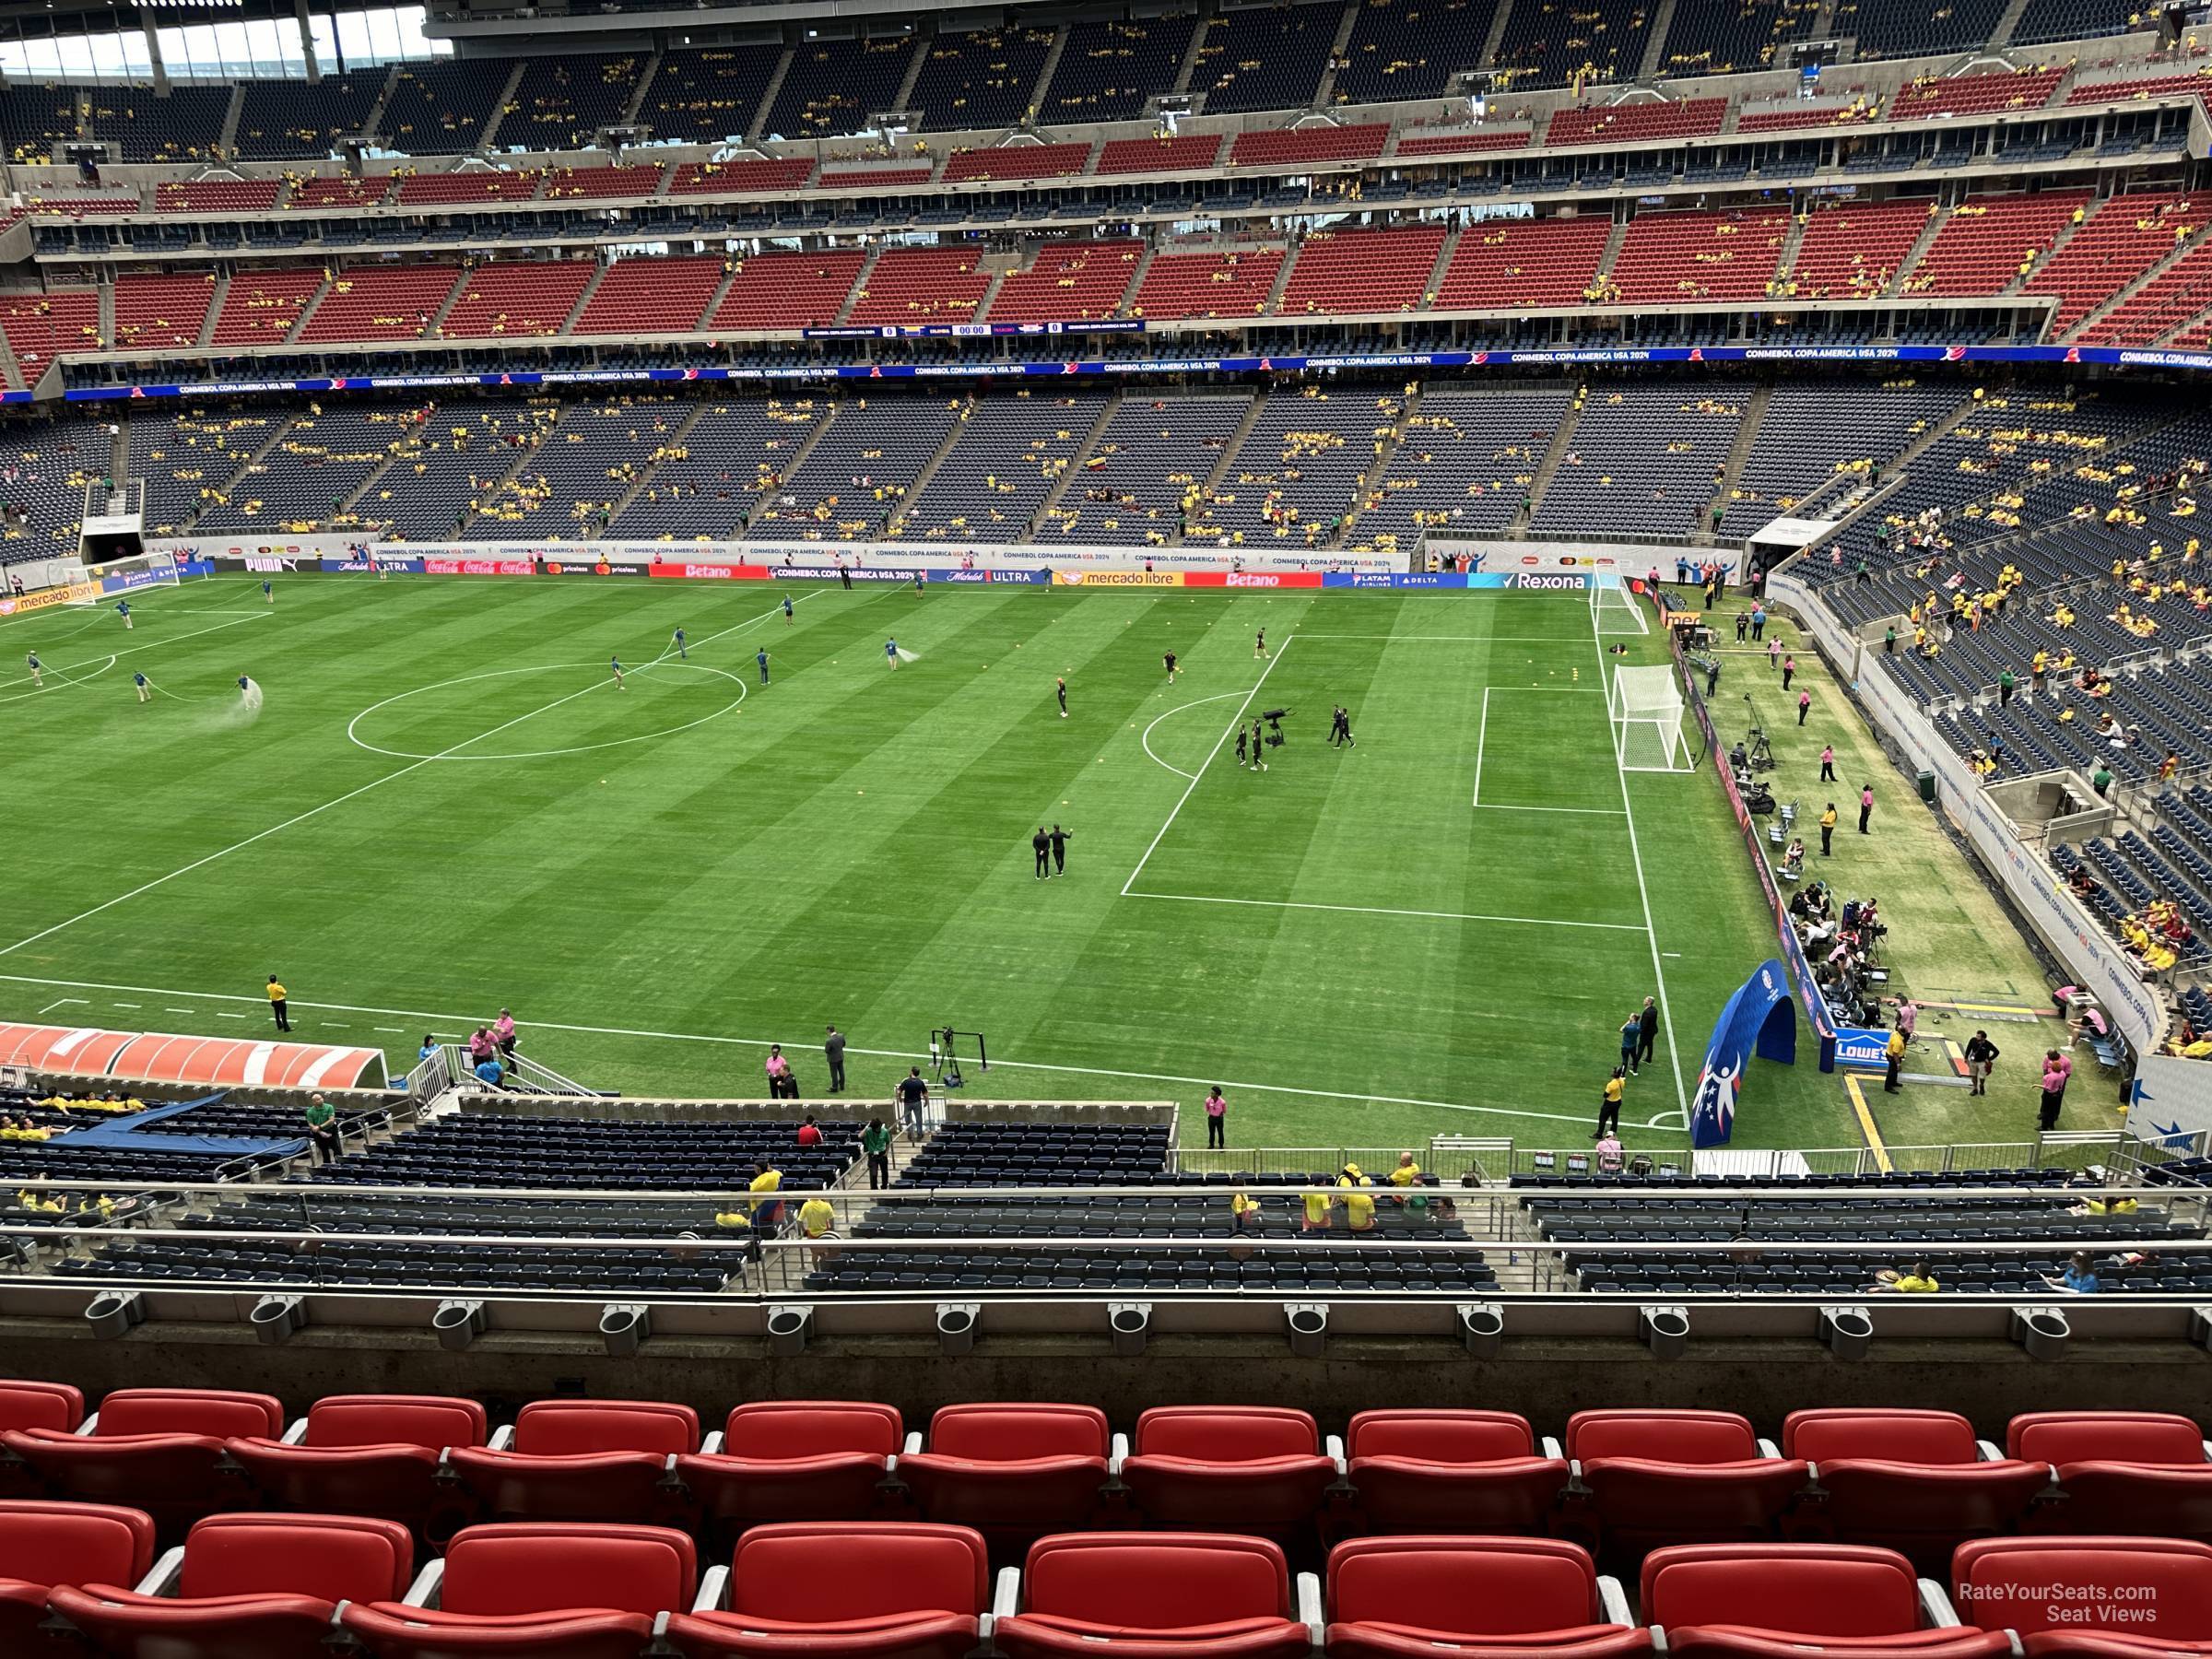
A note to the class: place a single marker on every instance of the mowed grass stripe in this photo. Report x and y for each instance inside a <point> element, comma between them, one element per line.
<point>733,881</point>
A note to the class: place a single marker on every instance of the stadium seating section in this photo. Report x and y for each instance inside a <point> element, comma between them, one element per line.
<point>579,1528</point>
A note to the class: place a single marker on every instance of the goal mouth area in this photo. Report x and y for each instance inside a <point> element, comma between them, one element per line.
<point>1645,707</point>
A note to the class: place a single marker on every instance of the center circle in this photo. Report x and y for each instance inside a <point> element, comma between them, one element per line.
<point>466,749</point>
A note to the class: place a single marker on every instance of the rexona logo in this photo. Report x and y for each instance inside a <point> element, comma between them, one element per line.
<point>1550,581</point>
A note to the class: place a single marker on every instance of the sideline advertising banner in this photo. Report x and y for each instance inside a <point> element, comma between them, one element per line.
<point>75,592</point>
<point>1817,1011</point>
<point>1756,1020</point>
<point>124,582</point>
<point>1168,362</point>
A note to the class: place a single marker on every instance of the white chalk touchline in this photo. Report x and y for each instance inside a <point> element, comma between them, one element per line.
<point>761,1043</point>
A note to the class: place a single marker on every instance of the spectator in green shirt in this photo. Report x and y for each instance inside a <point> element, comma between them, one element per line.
<point>322,1128</point>
<point>875,1141</point>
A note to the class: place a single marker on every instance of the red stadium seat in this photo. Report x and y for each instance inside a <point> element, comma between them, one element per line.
<point>1153,1596</point>
<point>886,1590</point>
<point>248,1587</point>
<point>23,1405</point>
<point>794,1460</point>
<point>1773,1601</point>
<point>580,1460</point>
<point>363,1454</point>
<point>1235,1468</point>
<point>44,1543</point>
<point>2133,1472</point>
<point>1658,1478</point>
<point>1389,1597</point>
<point>156,1449</point>
<point>2090,1598</point>
<point>1014,1471</point>
<point>548,1589</point>
<point>26,1404</point>
<point>1449,1471</point>
<point>1909,1480</point>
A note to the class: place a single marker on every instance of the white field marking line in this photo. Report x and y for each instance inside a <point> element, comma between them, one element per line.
<point>63,1003</point>
<point>1371,910</point>
<point>149,646</point>
<point>1511,806</point>
<point>1643,893</point>
<point>62,679</point>
<point>1146,738</point>
<point>1452,639</point>
<point>1482,734</point>
<point>350,794</point>
<point>761,1043</point>
<point>1235,724</point>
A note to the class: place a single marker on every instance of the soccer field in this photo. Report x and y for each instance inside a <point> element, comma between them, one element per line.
<point>447,805</point>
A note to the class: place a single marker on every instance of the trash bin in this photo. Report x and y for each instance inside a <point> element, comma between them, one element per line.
<point>1927,786</point>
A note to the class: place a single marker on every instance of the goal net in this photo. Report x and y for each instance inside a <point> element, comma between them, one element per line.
<point>1646,708</point>
<point>140,571</point>
<point>1613,608</point>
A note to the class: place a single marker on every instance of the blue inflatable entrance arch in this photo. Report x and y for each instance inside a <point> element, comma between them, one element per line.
<point>1760,1019</point>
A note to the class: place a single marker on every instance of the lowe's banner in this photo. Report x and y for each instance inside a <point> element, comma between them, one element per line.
<point>1865,1046</point>
<point>1758,1019</point>
<point>1242,363</point>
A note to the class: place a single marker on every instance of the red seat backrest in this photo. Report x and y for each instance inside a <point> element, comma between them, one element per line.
<point>396,1421</point>
<point>812,1573</point>
<point>1463,1436</point>
<point>1157,1581</point>
<point>211,1411</point>
<point>1829,1590</point>
<point>551,1566</point>
<point>1910,1437</point>
<point>781,1429</point>
<point>41,1406</point>
<point>1473,1586</point>
<point>1007,1433</point>
<point>332,1558</point>
<point>560,1427</point>
<point>1226,1434</point>
<point>1681,1437</point>
<point>2148,1437</point>
<point>2158,1587</point>
<point>44,1543</point>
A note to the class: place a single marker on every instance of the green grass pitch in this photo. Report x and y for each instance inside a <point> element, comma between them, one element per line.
<point>447,805</point>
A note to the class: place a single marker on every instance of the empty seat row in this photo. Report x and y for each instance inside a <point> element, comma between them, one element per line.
<point>1624,1481</point>
<point>271,1587</point>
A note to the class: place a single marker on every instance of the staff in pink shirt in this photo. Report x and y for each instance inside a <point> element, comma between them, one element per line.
<point>2057,1068</point>
<point>1216,1119</point>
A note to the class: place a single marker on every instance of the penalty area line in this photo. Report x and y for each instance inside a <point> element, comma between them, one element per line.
<point>761,1043</point>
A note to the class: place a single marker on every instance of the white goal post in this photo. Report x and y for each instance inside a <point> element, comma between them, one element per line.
<point>1614,609</point>
<point>1646,708</point>
<point>146,569</point>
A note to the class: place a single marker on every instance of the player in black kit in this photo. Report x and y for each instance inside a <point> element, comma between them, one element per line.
<point>1170,660</point>
<point>1340,727</point>
<point>1059,840</point>
<point>1239,743</point>
<point>1041,845</point>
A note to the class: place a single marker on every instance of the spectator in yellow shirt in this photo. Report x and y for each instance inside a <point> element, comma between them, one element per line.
<point>766,1211</point>
<point>1359,1203</point>
<point>1407,1178</point>
<point>817,1215</point>
<point>1317,1212</point>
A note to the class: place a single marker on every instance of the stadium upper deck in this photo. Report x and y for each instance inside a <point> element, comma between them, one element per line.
<point>637,204</point>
